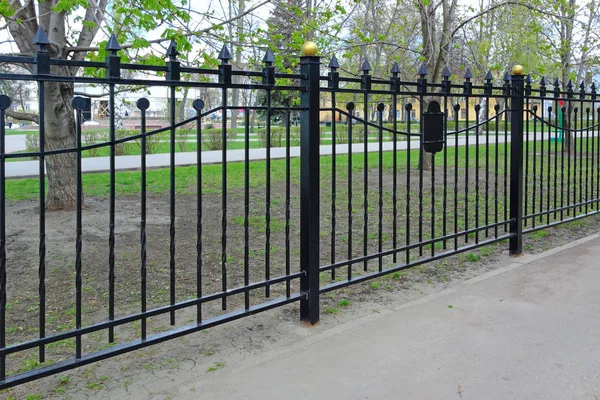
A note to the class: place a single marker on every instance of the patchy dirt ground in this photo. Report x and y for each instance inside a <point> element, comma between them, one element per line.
<point>146,373</point>
<point>142,372</point>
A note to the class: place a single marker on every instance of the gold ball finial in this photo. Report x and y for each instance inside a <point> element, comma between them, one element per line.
<point>517,70</point>
<point>309,49</point>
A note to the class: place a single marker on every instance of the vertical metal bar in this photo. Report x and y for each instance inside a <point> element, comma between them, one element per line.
<point>365,179</point>
<point>333,181</point>
<point>42,244</point>
<point>432,222</point>
<point>542,140</point>
<point>380,108</point>
<point>506,148</point>
<point>548,185</point>
<point>198,106</point>
<point>4,104</point>
<point>445,205</point>
<point>466,169</point>
<point>570,147</point>
<point>350,219</point>
<point>78,240</point>
<point>587,160</point>
<point>562,162</point>
<point>534,161</point>
<point>172,202</point>
<point>580,134</point>
<point>310,188</point>
<point>268,200</point>
<point>593,156</point>
<point>456,148</point>
<point>421,164</point>
<point>496,162</point>
<point>487,166</point>
<point>247,207</point>
<point>477,133</point>
<point>111,223</point>
<point>287,202</point>
<point>555,186</point>
<point>408,151</point>
<point>143,211</point>
<point>224,196</point>
<point>597,166</point>
<point>395,179</point>
<point>516,165</point>
<point>526,189</point>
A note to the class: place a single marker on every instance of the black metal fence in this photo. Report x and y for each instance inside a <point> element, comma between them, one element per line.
<point>248,229</point>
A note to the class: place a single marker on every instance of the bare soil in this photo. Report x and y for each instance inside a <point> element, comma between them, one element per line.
<point>199,352</point>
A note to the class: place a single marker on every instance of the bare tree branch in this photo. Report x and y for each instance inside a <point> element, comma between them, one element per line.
<point>23,116</point>
<point>77,49</point>
<point>499,5</point>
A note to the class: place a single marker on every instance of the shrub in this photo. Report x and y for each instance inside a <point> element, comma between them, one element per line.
<point>278,136</point>
<point>124,148</point>
<point>181,136</point>
<point>32,143</point>
<point>341,134</point>
<point>153,143</point>
<point>213,138</point>
<point>91,137</point>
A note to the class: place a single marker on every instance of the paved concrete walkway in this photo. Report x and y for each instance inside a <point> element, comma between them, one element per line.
<point>530,330</point>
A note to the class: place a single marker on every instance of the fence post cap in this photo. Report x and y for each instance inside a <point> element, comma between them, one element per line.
<point>517,70</point>
<point>309,48</point>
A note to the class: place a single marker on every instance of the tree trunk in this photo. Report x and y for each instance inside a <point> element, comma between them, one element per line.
<point>60,134</point>
<point>182,115</point>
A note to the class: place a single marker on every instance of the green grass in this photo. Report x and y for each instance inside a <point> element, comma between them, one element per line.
<point>344,303</point>
<point>215,367</point>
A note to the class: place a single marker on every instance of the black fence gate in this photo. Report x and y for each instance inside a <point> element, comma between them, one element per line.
<point>381,175</point>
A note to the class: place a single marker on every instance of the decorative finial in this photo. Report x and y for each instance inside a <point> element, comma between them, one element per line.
<point>224,54</point>
<point>517,70</point>
<point>365,67</point>
<point>333,64</point>
<point>269,57</point>
<point>113,44</point>
<point>40,38</point>
<point>309,49</point>
<point>446,73</point>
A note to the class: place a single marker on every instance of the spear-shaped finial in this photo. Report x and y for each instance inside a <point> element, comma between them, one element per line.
<point>224,54</point>
<point>468,75</point>
<point>269,57</point>
<point>333,64</point>
<point>446,73</point>
<point>40,39</point>
<point>365,67</point>
<point>113,44</point>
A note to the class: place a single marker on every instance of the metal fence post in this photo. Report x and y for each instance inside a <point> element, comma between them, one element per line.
<point>310,65</point>
<point>516,160</point>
